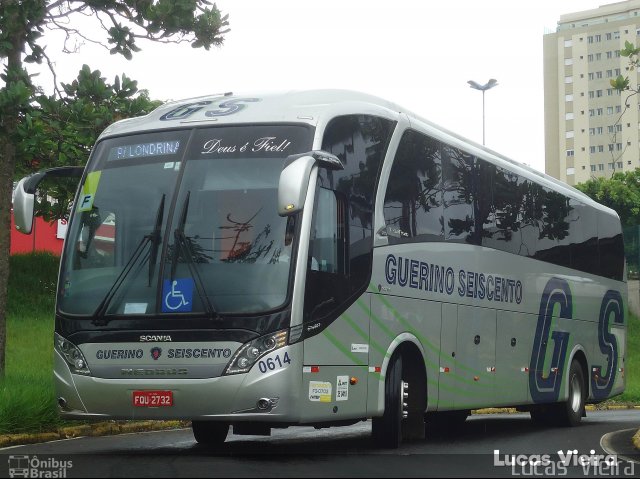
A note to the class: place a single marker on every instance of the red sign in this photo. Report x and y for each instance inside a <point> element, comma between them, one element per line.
<point>153,398</point>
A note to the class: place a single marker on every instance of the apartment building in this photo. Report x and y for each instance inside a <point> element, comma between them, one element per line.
<point>591,129</point>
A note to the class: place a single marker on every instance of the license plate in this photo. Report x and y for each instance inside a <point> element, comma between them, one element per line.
<point>153,398</point>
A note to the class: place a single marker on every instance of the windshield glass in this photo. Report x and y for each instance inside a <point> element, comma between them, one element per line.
<point>182,222</point>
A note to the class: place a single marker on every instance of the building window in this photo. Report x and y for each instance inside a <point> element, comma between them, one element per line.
<point>600,148</point>
<point>568,80</point>
<point>610,166</point>
<point>569,134</point>
<point>609,73</point>
<point>568,97</point>
<point>590,57</point>
<point>592,149</point>
<point>571,171</point>
<point>619,165</point>
<point>568,61</point>
<point>568,43</point>
<point>590,39</point>
<point>568,116</point>
<point>593,168</point>
<point>609,110</point>
<point>570,152</point>
<point>608,36</point>
<point>600,167</point>
<point>609,55</point>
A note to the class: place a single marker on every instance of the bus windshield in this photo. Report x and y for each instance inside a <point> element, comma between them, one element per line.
<point>182,222</point>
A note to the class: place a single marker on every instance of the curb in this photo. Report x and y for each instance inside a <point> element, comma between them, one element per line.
<point>589,407</point>
<point>91,430</point>
<point>636,440</point>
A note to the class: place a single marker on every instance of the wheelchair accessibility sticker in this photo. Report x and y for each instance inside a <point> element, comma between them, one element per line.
<point>177,295</point>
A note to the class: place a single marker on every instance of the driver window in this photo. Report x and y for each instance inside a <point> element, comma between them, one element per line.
<point>327,236</point>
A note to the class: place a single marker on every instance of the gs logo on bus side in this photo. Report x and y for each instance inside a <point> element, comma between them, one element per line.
<point>545,385</point>
<point>224,108</point>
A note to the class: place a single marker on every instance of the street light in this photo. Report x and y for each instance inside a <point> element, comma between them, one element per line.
<point>487,86</point>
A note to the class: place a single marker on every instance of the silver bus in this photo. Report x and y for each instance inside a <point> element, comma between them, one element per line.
<point>323,258</point>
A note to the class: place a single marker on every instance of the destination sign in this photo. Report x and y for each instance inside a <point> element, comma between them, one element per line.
<point>144,150</point>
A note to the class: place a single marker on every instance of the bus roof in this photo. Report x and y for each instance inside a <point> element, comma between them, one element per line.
<point>312,107</point>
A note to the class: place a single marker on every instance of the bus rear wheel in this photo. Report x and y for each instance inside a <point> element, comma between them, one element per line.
<point>210,433</point>
<point>570,412</point>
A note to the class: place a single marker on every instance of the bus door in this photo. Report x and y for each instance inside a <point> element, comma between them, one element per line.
<point>336,356</point>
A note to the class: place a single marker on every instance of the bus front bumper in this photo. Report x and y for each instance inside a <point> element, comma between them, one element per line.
<point>231,398</point>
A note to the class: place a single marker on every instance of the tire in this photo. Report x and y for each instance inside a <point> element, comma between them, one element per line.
<point>570,413</point>
<point>210,433</point>
<point>387,430</point>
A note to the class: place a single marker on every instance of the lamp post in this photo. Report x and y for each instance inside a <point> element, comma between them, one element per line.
<point>487,86</point>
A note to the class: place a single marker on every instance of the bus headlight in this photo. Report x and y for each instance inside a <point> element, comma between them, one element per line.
<point>249,353</point>
<point>72,355</point>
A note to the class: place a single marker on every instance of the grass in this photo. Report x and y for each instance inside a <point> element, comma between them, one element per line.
<point>27,397</point>
<point>632,362</point>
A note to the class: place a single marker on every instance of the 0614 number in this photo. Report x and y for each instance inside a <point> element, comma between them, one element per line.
<point>272,364</point>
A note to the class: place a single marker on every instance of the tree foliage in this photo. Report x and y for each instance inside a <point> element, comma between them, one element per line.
<point>60,131</point>
<point>24,111</point>
<point>621,192</point>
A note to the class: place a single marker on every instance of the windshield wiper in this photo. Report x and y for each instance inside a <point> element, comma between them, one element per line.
<point>183,247</point>
<point>153,237</point>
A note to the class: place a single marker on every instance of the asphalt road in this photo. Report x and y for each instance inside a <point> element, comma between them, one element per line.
<point>345,452</point>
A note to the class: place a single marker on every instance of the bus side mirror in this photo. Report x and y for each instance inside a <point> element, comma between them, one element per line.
<point>294,179</point>
<point>293,185</point>
<point>23,204</point>
<point>24,194</point>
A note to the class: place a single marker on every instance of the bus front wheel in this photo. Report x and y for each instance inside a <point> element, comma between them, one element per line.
<point>387,430</point>
<point>210,433</point>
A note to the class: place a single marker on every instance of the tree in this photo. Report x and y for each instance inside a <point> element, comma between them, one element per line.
<point>60,131</point>
<point>124,22</point>
<point>621,193</point>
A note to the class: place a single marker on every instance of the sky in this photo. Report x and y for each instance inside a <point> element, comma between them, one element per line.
<point>417,53</point>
